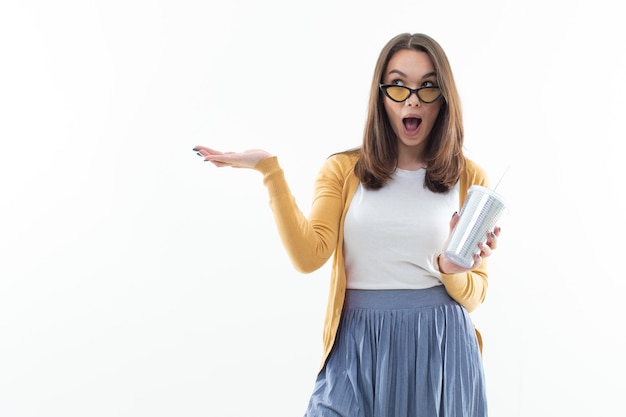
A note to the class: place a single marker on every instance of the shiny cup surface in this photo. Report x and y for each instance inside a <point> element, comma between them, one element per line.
<point>480,213</point>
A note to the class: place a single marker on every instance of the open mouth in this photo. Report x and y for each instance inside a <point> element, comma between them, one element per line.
<point>411,124</point>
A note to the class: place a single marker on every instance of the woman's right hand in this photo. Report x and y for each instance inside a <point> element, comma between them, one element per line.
<point>245,159</point>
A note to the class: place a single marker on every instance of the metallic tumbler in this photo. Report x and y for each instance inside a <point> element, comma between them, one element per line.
<point>479,214</point>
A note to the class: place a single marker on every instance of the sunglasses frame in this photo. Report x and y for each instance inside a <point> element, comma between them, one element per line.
<point>384,87</point>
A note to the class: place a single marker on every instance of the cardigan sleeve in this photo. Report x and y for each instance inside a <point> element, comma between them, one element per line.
<point>469,288</point>
<point>311,241</point>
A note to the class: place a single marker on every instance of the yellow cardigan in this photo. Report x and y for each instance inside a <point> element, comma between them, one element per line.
<point>311,241</point>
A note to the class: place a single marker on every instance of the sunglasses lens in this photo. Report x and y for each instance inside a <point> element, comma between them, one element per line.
<point>430,94</point>
<point>397,93</point>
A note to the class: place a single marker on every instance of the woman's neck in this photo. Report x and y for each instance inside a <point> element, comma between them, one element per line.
<point>410,162</point>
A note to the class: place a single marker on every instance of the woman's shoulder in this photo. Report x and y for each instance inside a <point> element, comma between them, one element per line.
<point>338,168</point>
<point>475,173</point>
<point>344,160</point>
<point>472,166</point>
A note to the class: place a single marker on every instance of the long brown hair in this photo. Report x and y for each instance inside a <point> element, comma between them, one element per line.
<point>378,155</point>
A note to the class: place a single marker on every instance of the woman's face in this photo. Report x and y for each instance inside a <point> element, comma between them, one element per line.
<point>412,120</point>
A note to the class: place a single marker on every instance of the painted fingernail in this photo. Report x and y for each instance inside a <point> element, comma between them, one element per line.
<point>198,153</point>
<point>454,214</point>
<point>194,149</point>
<point>493,235</point>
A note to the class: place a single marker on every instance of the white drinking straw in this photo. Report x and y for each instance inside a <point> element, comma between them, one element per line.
<point>502,176</point>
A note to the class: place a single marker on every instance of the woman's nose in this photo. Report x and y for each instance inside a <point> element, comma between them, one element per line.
<point>413,99</point>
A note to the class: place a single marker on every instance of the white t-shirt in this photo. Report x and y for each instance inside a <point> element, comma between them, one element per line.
<point>393,235</point>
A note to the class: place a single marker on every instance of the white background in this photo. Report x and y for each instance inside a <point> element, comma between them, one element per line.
<point>137,280</point>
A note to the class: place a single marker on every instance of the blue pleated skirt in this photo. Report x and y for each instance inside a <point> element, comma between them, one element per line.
<point>402,353</point>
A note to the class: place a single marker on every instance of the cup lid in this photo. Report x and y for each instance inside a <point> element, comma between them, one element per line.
<point>492,193</point>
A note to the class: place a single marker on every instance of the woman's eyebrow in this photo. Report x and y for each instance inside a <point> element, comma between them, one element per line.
<point>400,73</point>
<point>395,71</point>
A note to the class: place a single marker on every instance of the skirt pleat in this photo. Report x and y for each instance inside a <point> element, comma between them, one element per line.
<point>401,353</point>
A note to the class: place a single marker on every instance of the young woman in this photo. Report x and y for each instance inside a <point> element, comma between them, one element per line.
<point>398,339</point>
